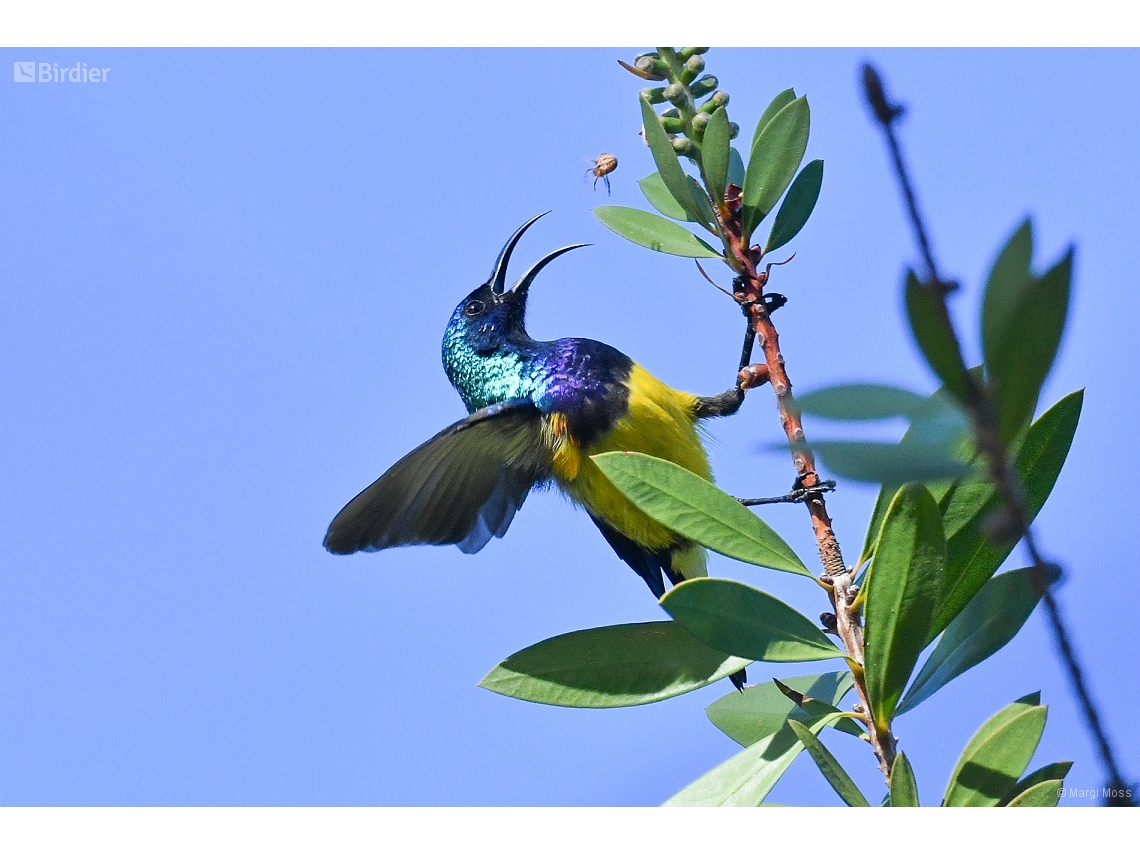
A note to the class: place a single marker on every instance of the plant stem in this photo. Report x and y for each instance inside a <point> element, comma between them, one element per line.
<point>836,576</point>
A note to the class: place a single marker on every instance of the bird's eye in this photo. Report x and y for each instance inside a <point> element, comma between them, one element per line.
<point>475,307</point>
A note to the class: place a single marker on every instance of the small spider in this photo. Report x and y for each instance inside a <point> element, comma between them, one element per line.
<point>603,166</point>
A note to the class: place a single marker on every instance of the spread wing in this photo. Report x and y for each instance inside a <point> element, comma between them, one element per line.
<point>462,486</point>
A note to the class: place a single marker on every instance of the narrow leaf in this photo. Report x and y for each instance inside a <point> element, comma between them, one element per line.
<point>746,622</point>
<point>759,711</point>
<point>666,159</point>
<point>935,338</point>
<point>735,168</point>
<point>1055,772</point>
<point>888,462</point>
<point>611,666</point>
<point>697,510</point>
<point>1009,277</point>
<point>997,755</point>
<point>904,788</point>
<point>777,104</point>
<point>797,207</point>
<point>702,200</point>
<point>658,195</point>
<point>654,232</point>
<point>1044,794</point>
<point>940,422</point>
<point>1020,358</point>
<point>835,774</point>
<point>775,157</point>
<point>987,623</point>
<point>747,777</point>
<point>861,402</point>
<point>715,153</point>
<point>972,557</point>
<point>903,589</point>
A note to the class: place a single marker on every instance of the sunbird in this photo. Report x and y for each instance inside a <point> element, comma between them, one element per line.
<point>538,411</point>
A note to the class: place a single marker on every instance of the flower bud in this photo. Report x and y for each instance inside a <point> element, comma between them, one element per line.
<point>687,52</point>
<point>700,122</point>
<point>675,93</point>
<point>733,130</point>
<point>651,67</point>
<point>693,66</point>
<point>719,99</point>
<point>672,125</point>
<point>654,96</point>
<point>703,86</point>
<point>682,145</point>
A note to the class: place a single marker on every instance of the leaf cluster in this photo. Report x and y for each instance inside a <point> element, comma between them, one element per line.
<point>930,603</point>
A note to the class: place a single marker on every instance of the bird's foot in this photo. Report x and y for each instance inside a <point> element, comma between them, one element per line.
<point>724,404</point>
<point>771,302</point>
<point>774,301</point>
<point>799,493</point>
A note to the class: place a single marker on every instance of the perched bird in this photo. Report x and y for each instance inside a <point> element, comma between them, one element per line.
<point>538,410</point>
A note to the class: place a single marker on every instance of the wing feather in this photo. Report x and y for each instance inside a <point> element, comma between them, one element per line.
<point>462,486</point>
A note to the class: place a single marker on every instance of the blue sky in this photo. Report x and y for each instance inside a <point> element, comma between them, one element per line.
<point>225,279</point>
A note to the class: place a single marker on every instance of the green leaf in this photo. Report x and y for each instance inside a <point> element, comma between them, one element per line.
<point>611,666</point>
<point>735,168</point>
<point>775,157</point>
<point>1053,772</point>
<point>1008,279</point>
<point>875,524</point>
<point>697,510</point>
<point>666,159</point>
<point>935,338</point>
<point>702,199</point>
<point>904,788</point>
<point>759,711</point>
<point>987,623</point>
<point>940,422</point>
<point>835,774</point>
<point>972,558</point>
<point>861,402</point>
<point>903,589</point>
<point>1044,794</point>
<point>888,462</point>
<point>658,195</point>
<point>775,106</point>
<point>1023,341</point>
<point>654,232</point>
<point>744,779</point>
<point>746,622</point>
<point>715,153</point>
<point>800,202</point>
<point>997,755</point>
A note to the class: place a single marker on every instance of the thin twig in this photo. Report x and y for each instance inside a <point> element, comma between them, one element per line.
<point>837,578</point>
<point>989,445</point>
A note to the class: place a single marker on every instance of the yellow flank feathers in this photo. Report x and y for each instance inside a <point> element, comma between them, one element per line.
<point>660,421</point>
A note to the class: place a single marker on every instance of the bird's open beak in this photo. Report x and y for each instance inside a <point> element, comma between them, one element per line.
<point>520,288</point>
<point>498,279</point>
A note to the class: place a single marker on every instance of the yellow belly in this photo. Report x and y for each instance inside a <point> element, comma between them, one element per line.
<point>660,422</point>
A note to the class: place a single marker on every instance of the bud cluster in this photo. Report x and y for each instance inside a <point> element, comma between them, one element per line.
<point>685,121</point>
